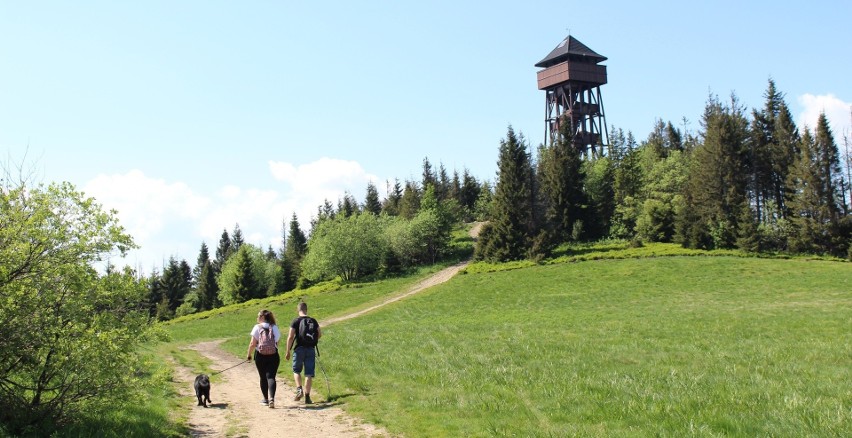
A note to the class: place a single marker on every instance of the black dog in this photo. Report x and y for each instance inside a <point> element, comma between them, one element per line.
<point>202,389</point>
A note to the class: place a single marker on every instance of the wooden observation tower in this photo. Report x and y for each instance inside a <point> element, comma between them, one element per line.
<point>571,78</point>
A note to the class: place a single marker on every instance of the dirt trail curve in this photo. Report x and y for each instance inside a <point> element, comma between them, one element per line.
<point>236,411</point>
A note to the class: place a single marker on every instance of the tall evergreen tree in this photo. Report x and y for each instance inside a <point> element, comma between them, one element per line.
<point>808,213</point>
<point>561,177</point>
<point>815,203</point>
<point>509,234</point>
<point>236,239</point>
<point>222,252</point>
<point>207,289</point>
<point>371,201</point>
<point>409,205</point>
<point>442,183</point>
<point>349,206</point>
<point>297,245</point>
<point>176,281</point>
<point>455,187</point>
<point>242,283</point>
<point>469,191</point>
<point>627,191</point>
<point>391,204</point>
<point>203,258</point>
<point>598,188</point>
<point>429,176</point>
<point>773,147</point>
<point>829,162</point>
<point>718,178</point>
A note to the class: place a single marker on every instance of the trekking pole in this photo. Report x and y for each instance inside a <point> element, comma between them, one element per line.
<point>327,385</point>
<point>230,368</point>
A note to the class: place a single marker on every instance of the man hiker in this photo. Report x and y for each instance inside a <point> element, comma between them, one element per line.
<point>305,331</point>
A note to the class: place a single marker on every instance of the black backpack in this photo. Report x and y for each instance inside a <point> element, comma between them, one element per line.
<point>308,332</point>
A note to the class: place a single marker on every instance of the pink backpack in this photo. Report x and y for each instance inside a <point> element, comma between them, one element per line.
<point>266,342</point>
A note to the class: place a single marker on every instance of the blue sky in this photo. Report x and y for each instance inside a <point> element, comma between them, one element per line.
<point>189,117</point>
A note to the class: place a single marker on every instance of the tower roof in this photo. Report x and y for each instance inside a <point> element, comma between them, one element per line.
<point>570,48</point>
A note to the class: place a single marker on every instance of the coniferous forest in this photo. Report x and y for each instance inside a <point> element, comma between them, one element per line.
<point>747,179</point>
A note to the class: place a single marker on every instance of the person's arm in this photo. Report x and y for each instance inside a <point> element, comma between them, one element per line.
<point>319,332</point>
<point>290,338</point>
<point>252,343</point>
<point>252,346</point>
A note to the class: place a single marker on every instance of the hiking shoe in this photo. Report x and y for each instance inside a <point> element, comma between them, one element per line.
<point>298,394</point>
<point>264,402</point>
<point>271,404</point>
<point>308,399</point>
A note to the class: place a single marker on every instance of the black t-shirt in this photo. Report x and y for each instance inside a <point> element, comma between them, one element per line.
<point>295,326</point>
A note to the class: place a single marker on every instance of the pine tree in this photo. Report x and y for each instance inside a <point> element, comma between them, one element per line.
<point>561,177</point>
<point>718,180</point>
<point>391,204</point>
<point>510,233</point>
<point>223,251</point>
<point>442,185</point>
<point>815,203</point>
<point>203,258</point>
<point>829,163</point>
<point>294,252</point>
<point>409,205</point>
<point>773,139</point>
<point>371,201</point>
<point>349,205</point>
<point>805,201</point>
<point>429,176</point>
<point>455,187</point>
<point>176,281</point>
<point>236,239</point>
<point>469,191</point>
<point>247,284</point>
<point>207,289</point>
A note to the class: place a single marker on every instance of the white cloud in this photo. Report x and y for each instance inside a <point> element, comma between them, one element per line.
<point>172,219</point>
<point>838,112</point>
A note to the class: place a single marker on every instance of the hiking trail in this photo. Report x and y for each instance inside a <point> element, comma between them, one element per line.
<point>236,411</point>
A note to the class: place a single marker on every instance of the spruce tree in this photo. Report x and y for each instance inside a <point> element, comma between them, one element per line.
<point>371,201</point>
<point>511,230</point>
<point>236,239</point>
<point>442,185</point>
<point>469,192</point>
<point>207,289</point>
<point>561,178</point>
<point>718,178</point>
<point>773,147</point>
<point>222,252</point>
<point>390,206</point>
<point>829,163</point>
<point>176,282</point>
<point>297,245</point>
<point>429,176</point>
<point>455,187</point>
<point>808,214</point>
<point>248,286</point>
<point>203,258</point>
<point>409,205</point>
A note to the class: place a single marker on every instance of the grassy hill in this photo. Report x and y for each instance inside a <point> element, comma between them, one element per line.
<point>669,345</point>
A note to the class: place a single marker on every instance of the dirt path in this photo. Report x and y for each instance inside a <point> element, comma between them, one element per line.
<point>236,409</point>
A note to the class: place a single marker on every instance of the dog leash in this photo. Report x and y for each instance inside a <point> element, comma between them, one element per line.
<point>226,369</point>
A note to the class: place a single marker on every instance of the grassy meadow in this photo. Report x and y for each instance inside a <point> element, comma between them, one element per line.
<point>668,346</point>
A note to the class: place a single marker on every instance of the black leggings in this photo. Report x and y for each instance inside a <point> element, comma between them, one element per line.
<point>267,367</point>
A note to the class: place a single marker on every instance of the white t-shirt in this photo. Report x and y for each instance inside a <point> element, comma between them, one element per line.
<point>255,332</point>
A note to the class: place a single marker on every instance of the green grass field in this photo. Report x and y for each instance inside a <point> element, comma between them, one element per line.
<point>667,346</point>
